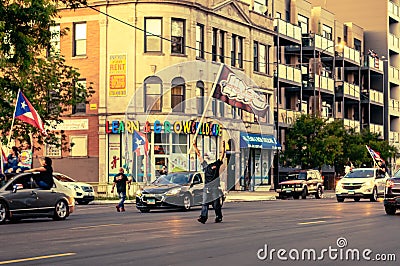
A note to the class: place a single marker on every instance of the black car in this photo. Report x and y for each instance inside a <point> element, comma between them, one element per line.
<point>20,197</point>
<point>176,190</point>
<point>391,198</point>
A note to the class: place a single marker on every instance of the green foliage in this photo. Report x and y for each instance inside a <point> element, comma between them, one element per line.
<point>313,142</point>
<point>50,85</point>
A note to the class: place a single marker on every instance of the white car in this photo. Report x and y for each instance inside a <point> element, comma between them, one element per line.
<point>84,193</point>
<point>367,183</point>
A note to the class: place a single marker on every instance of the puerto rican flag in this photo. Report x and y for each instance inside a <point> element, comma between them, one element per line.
<point>24,111</point>
<point>374,154</point>
<point>140,144</point>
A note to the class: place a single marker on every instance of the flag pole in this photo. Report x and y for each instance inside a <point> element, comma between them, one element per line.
<point>12,123</point>
<point>369,151</point>
<point>207,104</point>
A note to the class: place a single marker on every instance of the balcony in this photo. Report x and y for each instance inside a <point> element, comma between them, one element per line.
<point>351,90</point>
<point>374,63</point>
<point>378,129</point>
<point>289,73</point>
<point>394,43</point>
<point>326,83</point>
<point>394,75</point>
<point>351,54</point>
<point>352,124</point>
<point>376,96</point>
<point>319,42</point>
<point>288,29</point>
<point>394,11</point>
<point>288,116</point>
<point>394,107</point>
<point>394,137</point>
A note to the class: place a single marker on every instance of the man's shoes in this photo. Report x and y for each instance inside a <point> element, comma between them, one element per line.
<point>122,209</point>
<point>218,219</point>
<point>202,220</point>
<point>118,210</point>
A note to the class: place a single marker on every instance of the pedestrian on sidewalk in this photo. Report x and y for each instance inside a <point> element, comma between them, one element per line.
<point>211,191</point>
<point>121,180</point>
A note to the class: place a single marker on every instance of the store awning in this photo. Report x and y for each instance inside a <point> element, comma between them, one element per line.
<point>248,140</point>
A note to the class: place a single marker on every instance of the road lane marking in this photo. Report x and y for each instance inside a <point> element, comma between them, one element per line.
<point>93,226</point>
<point>315,222</point>
<point>36,258</point>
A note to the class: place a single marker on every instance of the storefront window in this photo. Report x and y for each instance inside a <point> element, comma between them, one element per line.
<point>161,142</point>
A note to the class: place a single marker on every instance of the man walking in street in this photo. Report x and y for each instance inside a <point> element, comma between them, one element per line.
<point>211,190</point>
<point>121,180</point>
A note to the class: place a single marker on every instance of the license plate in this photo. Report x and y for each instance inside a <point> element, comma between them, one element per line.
<point>288,191</point>
<point>151,201</point>
<point>351,192</point>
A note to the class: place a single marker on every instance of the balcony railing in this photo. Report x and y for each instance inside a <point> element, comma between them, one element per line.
<point>394,75</point>
<point>351,90</point>
<point>319,42</point>
<point>374,128</point>
<point>352,124</point>
<point>394,43</point>
<point>394,107</point>
<point>287,29</point>
<point>393,10</point>
<point>288,116</point>
<point>394,136</point>
<point>289,73</point>
<point>376,96</point>
<point>326,83</point>
<point>372,62</point>
<point>352,54</point>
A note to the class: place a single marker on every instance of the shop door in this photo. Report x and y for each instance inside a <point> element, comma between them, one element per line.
<point>159,162</point>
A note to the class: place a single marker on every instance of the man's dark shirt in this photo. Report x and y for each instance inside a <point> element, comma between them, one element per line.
<point>211,171</point>
<point>120,180</point>
<point>47,176</point>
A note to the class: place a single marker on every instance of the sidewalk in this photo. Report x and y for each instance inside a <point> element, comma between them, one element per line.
<point>235,196</point>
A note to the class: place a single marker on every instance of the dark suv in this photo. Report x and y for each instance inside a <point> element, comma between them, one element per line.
<point>391,199</point>
<point>302,183</point>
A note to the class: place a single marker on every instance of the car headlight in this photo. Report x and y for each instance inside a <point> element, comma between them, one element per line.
<point>139,193</point>
<point>173,191</point>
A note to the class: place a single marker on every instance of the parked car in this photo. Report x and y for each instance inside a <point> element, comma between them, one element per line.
<point>177,190</point>
<point>367,183</point>
<point>391,199</point>
<point>21,198</point>
<point>301,183</point>
<point>84,193</point>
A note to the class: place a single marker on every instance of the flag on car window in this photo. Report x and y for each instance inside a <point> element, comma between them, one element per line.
<point>140,144</point>
<point>24,111</point>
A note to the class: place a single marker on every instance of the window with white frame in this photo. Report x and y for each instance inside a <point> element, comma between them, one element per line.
<point>233,50</point>
<point>79,146</point>
<point>55,40</point>
<point>79,39</point>
<point>177,36</point>
<point>178,95</point>
<point>261,58</point>
<point>222,46</point>
<point>152,35</point>
<point>214,44</point>
<point>240,52</point>
<point>303,23</point>
<point>200,41</point>
<point>153,91</point>
<point>327,32</point>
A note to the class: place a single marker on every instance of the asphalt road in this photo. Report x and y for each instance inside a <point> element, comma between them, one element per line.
<point>98,235</point>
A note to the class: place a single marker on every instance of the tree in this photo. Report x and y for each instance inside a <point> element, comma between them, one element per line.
<point>50,85</point>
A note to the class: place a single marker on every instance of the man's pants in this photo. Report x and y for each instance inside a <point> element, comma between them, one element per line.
<point>211,196</point>
<point>122,197</point>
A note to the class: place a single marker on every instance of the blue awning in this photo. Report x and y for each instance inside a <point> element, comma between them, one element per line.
<point>248,140</point>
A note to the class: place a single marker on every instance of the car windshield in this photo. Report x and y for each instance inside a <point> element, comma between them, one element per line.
<point>362,173</point>
<point>397,174</point>
<point>174,178</point>
<point>297,176</point>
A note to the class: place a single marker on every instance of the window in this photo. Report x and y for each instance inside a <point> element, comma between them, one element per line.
<point>200,41</point>
<point>222,108</point>
<point>51,150</point>
<point>261,58</point>
<point>79,39</point>
<point>214,44</point>
<point>80,107</point>
<point>78,146</point>
<point>327,32</point>
<point>153,33</point>
<point>54,41</point>
<point>233,50</point>
<point>221,46</point>
<point>177,36</point>
<point>255,57</point>
<point>153,91</point>
<point>303,23</point>
<point>357,44</point>
<point>261,6</point>
<point>200,97</point>
<point>179,143</point>
<point>240,52</point>
<point>177,95</point>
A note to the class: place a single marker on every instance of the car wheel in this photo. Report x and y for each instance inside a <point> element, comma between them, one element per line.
<point>144,210</point>
<point>339,199</point>
<point>318,194</point>
<point>61,211</point>
<point>374,196</point>
<point>357,199</point>
<point>187,202</point>
<point>304,193</point>
<point>3,212</point>
<point>390,210</point>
